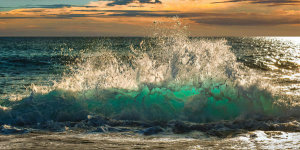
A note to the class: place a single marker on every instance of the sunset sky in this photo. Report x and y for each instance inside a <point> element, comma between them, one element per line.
<point>133,17</point>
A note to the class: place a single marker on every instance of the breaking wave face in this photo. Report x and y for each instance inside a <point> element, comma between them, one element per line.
<point>168,76</point>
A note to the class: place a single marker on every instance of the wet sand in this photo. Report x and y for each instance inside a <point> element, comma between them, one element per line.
<point>193,140</point>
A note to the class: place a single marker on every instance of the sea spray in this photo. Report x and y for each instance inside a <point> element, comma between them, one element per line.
<point>168,76</point>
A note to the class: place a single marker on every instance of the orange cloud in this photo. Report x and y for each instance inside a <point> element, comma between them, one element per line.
<point>102,17</point>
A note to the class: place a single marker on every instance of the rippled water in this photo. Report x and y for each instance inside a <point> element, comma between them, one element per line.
<point>37,60</point>
<point>222,87</point>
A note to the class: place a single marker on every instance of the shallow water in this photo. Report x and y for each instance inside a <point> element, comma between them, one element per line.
<point>192,141</point>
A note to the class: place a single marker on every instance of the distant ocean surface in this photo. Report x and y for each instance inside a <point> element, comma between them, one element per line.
<point>201,91</point>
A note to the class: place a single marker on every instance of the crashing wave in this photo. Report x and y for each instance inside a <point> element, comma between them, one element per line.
<point>168,76</point>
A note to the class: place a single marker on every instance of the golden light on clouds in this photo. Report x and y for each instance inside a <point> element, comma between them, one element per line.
<point>205,17</point>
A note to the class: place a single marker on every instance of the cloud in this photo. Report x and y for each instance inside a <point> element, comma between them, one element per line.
<point>109,14</point>
<point>268,2</point>
<point>226,18</point>
<point>125,2</point>
<point>30,10</point>
<point>148,13</point>
<point>48,6</point>
<point>70,16</point>
<point>248,20</point>
<point>38,6</point>
<point>158,14</point>
<point>56,6</point>
<point>18,17</point>
<point>223,19</point>
<point>101,14</point>
<point>7,5</point>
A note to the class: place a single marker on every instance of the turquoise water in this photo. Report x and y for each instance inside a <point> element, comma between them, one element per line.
<point>146,79</point>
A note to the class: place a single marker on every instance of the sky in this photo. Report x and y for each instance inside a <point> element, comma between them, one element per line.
<point>134,17</point>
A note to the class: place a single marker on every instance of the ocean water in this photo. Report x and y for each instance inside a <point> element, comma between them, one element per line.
<point>202,91</point>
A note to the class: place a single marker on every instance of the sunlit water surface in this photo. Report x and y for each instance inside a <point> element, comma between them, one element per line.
<point>248,87</point>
